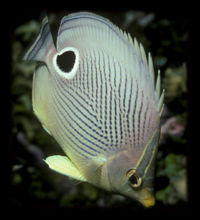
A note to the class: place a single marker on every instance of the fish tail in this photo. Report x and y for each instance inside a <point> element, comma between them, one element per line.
<point>38,51</point>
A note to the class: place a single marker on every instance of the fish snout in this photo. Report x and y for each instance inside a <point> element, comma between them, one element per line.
<point>147,200</point>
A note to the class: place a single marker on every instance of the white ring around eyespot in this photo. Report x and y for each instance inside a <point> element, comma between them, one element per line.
<point>72,73</point>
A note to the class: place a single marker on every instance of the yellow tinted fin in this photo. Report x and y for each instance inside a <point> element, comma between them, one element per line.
<point>63,165</point>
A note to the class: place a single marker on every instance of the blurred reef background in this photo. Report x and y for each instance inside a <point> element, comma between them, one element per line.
<point>33,183</point>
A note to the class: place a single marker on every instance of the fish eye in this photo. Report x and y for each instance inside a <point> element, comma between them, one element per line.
<point>133,178</point>
<point>66,62</point>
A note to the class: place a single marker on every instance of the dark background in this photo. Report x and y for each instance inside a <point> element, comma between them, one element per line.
<point>20,15</point>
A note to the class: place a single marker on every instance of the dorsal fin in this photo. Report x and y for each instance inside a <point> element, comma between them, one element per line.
<point>149,64</point>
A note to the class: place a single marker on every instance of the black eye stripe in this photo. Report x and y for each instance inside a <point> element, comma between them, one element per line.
<point>66,61</point>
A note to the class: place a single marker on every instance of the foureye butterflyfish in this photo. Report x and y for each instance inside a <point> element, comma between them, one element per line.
<point>94,92</point>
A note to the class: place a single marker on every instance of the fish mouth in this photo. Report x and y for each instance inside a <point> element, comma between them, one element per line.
<point>148,199</point>
<point>149,202</point>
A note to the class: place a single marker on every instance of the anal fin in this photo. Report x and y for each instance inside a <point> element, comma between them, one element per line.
<point>64,166</point>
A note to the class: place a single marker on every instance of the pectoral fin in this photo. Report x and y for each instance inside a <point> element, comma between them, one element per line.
<point>64,166</point>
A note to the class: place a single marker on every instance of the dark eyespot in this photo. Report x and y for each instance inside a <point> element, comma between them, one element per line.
<point>66,61</point>
<point>133,178</point>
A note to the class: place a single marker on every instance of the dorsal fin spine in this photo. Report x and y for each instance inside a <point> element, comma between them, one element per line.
<point>158,84</point>
<point>151,69</point>
<point>161,101</point>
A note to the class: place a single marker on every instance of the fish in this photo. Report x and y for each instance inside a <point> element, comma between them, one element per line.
<point>95,93</point>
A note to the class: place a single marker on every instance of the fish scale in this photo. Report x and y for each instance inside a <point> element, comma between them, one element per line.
<point>105,111</point>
